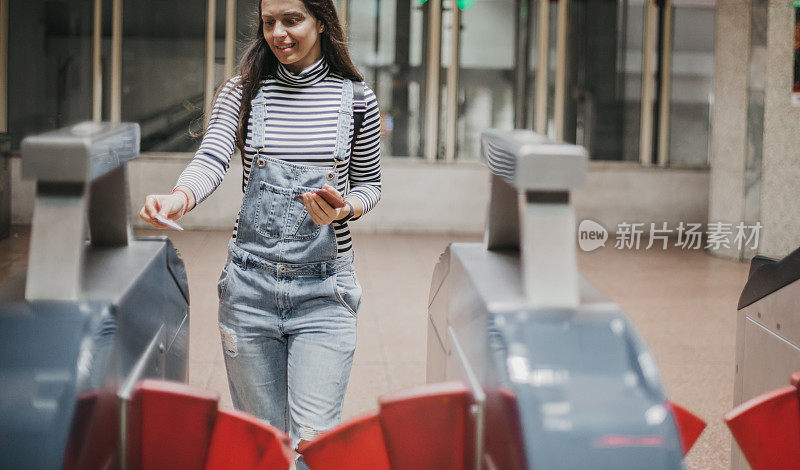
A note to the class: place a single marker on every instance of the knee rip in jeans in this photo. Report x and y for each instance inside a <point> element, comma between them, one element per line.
<point>228,341</point>
<point>307,433</point>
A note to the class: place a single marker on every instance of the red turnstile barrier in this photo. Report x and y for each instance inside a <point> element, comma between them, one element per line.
<point>174,426</point>
<point>689,426</point>
<point>767,427</point>
<point>424,428</point>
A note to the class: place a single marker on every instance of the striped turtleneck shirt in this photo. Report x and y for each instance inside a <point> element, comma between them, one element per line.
<point>302,113</point>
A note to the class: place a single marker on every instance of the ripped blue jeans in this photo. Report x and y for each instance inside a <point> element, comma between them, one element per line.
<point>288,335</point>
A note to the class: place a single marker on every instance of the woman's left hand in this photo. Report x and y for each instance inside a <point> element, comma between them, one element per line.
<point>320,211</point>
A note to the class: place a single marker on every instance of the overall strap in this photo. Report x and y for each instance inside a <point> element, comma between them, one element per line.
<point>359,107</point>
<point>345,119</point>
<point>259,115</point>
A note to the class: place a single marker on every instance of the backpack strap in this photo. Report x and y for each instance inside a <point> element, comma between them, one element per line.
<point>359,107</point>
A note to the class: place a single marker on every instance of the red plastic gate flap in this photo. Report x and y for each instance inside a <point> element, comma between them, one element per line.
<point>174,426</point>
<point>425,428</point>
<point>767,429</point>
<point>355,445</point>
<point>689,426</point>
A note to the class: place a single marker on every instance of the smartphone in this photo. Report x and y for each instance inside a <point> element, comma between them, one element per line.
<point>334,201</point>
<point>331,198</point>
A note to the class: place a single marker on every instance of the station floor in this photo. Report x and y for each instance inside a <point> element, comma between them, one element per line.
<point>683,303</point>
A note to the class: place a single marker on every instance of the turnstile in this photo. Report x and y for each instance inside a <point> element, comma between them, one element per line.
<point>559,376</point>
<point>93,314</point>
<point>767,332</point>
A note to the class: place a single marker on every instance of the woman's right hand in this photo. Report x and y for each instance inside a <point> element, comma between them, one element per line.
<point>169,206</point>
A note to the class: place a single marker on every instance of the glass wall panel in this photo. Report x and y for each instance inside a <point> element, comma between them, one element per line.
<point>444,60</point>
<point>49,65</point>
<point>533,58</point>
<point>406,114</point>
<point>386,44</point>
<point>105,56</point>
<point>629,66</point>
<point>246,23</point>
<point>362,30</point>
<point>486,73</point>
<point>603,75</point>
<point>552,62</point>
<point>219,43</point>
<point>163,70</point>
<point>692,85</point>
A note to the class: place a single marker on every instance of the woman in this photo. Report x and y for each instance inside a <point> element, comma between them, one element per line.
<point>288,293</point>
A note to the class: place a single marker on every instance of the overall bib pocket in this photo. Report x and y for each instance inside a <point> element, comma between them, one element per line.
<point>279,215</point>
<point>271,209</point>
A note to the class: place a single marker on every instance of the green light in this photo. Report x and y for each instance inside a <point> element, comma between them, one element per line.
<point>464,4</point>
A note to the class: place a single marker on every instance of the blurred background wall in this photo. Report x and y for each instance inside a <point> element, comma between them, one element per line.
<point>684,105</point>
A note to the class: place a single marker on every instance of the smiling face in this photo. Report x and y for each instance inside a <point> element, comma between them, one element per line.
<point>292,33</point>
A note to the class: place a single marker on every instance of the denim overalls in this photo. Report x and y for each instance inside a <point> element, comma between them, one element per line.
<point>287,303</point>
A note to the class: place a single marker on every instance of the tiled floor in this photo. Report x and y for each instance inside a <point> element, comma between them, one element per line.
<point>682,302</point>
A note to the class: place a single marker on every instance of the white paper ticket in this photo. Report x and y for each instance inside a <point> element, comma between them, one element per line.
<point>168,223</point>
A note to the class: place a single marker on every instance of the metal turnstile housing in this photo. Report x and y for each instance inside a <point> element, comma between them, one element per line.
<point>767,332</point>
<point>560,377</point>
<point>96,311</point>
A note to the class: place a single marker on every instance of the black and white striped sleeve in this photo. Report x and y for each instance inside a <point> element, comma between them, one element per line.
<point>365,159</point>
<point>208,167</point>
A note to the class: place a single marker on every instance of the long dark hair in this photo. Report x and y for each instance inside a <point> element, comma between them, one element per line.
<point>258,62</point>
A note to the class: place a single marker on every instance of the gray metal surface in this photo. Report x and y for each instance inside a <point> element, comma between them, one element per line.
<point>79,153</point>
<point>530,161</point>
<point>565,380</point>
<point>78,169</point>
<point>119,314</point>
<point>582,379</point>
<point>767,339</point>
<point>61,362</point>
<point>530,209</point>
